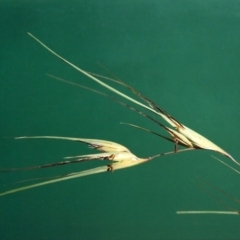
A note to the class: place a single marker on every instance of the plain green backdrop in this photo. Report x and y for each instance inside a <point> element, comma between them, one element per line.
<point>184,55</point>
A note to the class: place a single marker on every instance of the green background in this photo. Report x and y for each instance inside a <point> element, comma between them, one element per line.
<point>184,55</point>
